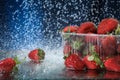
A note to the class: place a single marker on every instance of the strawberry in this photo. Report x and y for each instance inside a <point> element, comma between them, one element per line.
<point>87,27</point>
<point>113,64</point>
<point>67,50</point>
<point>91,38</point>
<point>92,60</point>
<point>74,62</point>
<point>90,63</point>
<point>107,25</point>
<point>36,55</point>
<point>109,45</point>
<point>7,65</point>
<point>118,48</point>
<point>70,29</point>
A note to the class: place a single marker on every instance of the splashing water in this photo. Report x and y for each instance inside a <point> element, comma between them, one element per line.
<point>36,23</point>
<point>22,25</point>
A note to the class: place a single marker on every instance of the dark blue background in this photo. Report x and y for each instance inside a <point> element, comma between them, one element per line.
<point>36,23</point>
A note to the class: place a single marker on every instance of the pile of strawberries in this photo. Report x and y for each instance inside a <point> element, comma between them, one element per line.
<point>8,65</point>
<point>93,47</point>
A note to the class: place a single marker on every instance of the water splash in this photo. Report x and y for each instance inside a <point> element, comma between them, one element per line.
<point>23,25</point>
<point>37,23</point>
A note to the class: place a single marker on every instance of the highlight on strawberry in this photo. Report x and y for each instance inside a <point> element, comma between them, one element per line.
<point>36,55</point>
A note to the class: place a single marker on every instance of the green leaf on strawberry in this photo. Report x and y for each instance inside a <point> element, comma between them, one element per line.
<point>77,44</point>
<point>41,53</point>
<point>66,36</point>
<point>117,31</point>
<point>94,56</point>
<point>68,30</point>
<point>17,61</point>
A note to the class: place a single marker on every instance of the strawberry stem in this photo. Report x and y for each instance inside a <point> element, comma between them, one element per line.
<point>17,61</point>
<point>68,30</point>
<point>96,57</point>
<point>77,44</point>
<point>66,36</point>
<point>117,31</point>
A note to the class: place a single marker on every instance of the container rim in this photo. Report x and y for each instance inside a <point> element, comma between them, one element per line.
<point>83,34</point>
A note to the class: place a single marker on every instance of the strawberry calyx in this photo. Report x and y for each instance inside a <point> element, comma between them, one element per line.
<point>66,36</point>
<point>68,31</point>
<point>95,57</point>
<point>117,30</point>
<point>41,53</point>
<point>77,44</point>
<point>17,61</point>
<point>66,55</point>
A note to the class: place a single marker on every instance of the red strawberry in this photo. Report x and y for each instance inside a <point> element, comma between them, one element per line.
<point>91,38</point>
<point>74,62</point>
<point>109,45</point>
<point>113,64</point>
<point>67,50</point>
<point>107,25</point>
<point>118,48</point>
<point>36,55</point>
<point>90,63</point>
<point>7,65</point>
<point>92,59</point>
<point>70,29</point>
<point>87,27</point>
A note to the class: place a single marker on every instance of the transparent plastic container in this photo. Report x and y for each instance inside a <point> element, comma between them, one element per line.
<point>98,47</point>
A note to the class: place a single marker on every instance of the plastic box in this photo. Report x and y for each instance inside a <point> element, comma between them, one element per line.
<point>102,46</point>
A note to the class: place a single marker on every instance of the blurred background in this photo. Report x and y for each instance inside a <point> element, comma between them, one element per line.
<point>29,24</point>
